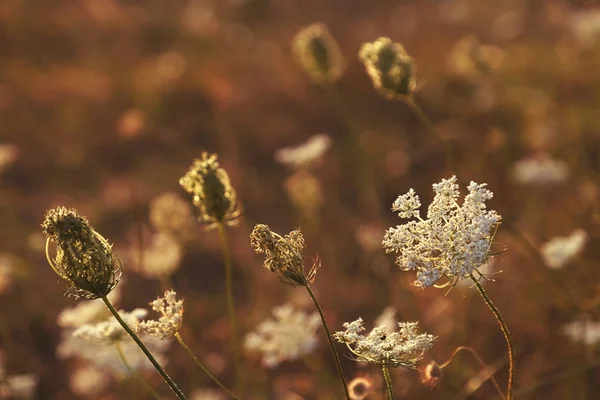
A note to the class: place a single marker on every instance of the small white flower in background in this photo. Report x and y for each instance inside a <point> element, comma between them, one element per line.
<point>171,214</point>
<point>287,337</point>
<point>87,312</point>
<point>305,155</point>
<point>160,259</point>
<point>388,319</point>
<point>558,251</point>
<point>88,381</point>
<point>393,349</point>
<point>540,170</point>
<point>169,323</point>
<point>207,394</point>
<point>8,155</point>
<point>8,269</point>
<point>110,330</point>
<point>582,330</point>
<point>585,26</point>
<point>16,386</point>
<point>452,242</point>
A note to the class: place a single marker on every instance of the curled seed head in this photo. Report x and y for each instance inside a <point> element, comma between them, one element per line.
<point>318,53</point>
<point>431,375</point>
<point>83,257</point>
<point>360,388</point>
<point>213,194</point>
<point>390,67</point>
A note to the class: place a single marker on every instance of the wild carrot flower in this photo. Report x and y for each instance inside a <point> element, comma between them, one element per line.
<point>169,323</point>
<point>287,337</point>
<point>16,386</point>
<point>171,214</point>
<point>283,255</point>
<point>161,258</point>
<point>452,242</point>
<point>558,251</point>
<point>540,170</point>
<point>83,257</point>
<point>390,67</point>
<point>306,155</point>
<point>390,349</point>
<point>318,53</point>
<point>583,330</point>
<point>213,194</point>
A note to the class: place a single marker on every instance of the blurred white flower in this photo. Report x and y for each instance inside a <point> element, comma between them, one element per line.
<point>582,330</point>
<point>585,25</point>
<point>207,394</point>
<point>88,311</point>
<point>287,337</point>
<point>16,386</point>
<point>452,242</point>
<point>540,170</point>
<point>110,330</point>
<point>388,319</point>
<point>305,155</point>
<point>393,349</point>
<point>8,155</point>
<point>160,259</point>
<point>558,251</point>
<point>171,214</point>
<point>88,381</point>
<point>171,311</point>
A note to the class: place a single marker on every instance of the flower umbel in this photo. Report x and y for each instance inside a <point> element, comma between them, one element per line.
<point>170,321</point>
<point>452,242</point>
<point>289,336</point>
<point>83,257</point>
<point>283,255</point>
<point>390,67</point>
<point>213,194</point>
<point>391,349</point>
<point>318,53</point>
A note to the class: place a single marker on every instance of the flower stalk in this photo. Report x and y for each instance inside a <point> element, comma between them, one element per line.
<point>388,381</point>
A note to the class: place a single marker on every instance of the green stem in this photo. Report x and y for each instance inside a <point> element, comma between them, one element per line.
<point>338,364</point>
<point>505,331</point>
<point>145,384</point>
<point>143,347</point>
<point>202,367</point>
<point>418,111</point>
<point>231,307</point>
<point>388,381</point>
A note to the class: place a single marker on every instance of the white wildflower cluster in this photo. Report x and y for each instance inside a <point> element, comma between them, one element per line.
<point>110,330</point>
<point>452,242</point>
<point>289,336</point>
<point>582,330</point>
<point>87,312</point>
<point>160,259</point>
<point>393,349</point>
<point>170,321</point>
<point>540,170</point>
<point>16,386</point>
<point>558,251</point>
<point>305,155</point>
<point>171,214</point>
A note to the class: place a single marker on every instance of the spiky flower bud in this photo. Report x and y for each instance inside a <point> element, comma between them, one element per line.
<point>83,257</point>
<point>318,53</point>
<point>390,67</point>
<point>213,194</point>
<point>283,255</point>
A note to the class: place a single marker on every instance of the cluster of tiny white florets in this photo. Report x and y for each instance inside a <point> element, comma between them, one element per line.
<point>287,337</point>
<point>110,331</point>
<point>453,241</point>
<point>393,349</point>
<point>170,321</point>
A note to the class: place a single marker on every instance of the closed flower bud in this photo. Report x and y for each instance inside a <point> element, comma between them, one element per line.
<point>390,67</point>
<point>83,257</point>
<point>318,53</point>
<point>213,194</point>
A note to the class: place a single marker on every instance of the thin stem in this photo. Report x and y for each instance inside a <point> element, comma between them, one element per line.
<point>505,331</point>
<point>338,364</point>
<point>418,111</point>
<point>388,381</point>
<point>230,306</point>
<point>202,367</point>
<point>145,384</point>
<point>483,365</point>
<point>143,347</point>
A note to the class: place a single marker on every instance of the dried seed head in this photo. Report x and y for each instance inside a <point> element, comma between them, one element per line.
<point>83,257</point>
<point>213,194</point>
<point>318,53</point>
<point>283,255</point>
<point>390,67</point>
<point>360,388</point>
<point>431,375</point>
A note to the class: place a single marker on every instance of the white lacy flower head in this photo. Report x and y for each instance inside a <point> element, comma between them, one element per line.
<point>305,155</point>
<point>582,330</point>
<point>170,213</point>
<point>558,251</point>
<point>168,324</point>
<point>540,170</point>
<point>87,312</point>
<point>287,337</point>
<point>392,349</point>
<point>161,258</point>
<point>452,242</point>
<point>110,330</point>
<point>88,381</point>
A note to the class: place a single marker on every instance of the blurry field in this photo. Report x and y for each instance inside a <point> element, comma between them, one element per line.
<point>104,104</point>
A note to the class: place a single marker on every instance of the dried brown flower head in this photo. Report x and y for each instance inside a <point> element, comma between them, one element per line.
<point>390,67</point>
<point>318,53</point>
<point>83,257</point>
<point>283,255</point>
<point>213,194</point>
